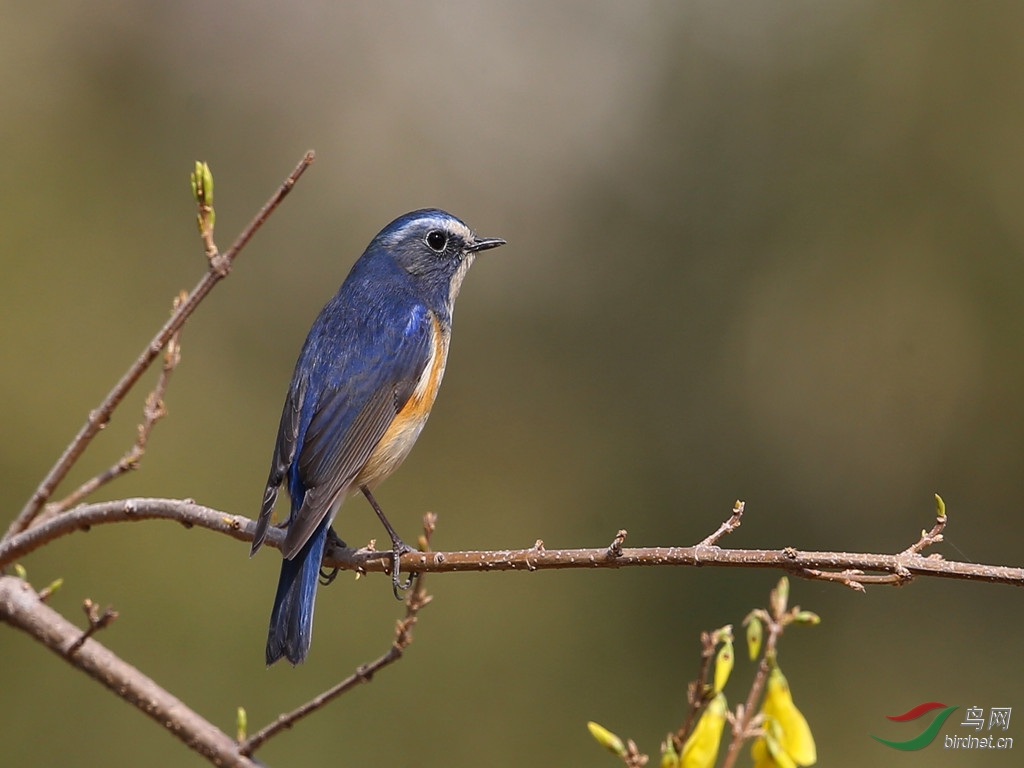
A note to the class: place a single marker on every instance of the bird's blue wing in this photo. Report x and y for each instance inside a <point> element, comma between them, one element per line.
<point>359,376</point>
<point>284,454</point>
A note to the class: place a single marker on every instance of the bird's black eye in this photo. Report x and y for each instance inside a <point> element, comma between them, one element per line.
<point>437,240</point>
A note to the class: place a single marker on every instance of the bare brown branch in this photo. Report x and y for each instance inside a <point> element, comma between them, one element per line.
<point>98,418</point>
<point>830,566</point>
<point>21,607</point>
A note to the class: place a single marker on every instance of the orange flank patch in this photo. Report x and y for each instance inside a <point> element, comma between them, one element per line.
<point>400,436</point>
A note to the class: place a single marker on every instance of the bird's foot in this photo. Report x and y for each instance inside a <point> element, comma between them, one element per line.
<point>327,575</point>
<point>399,548</point>
<point>333,540</point>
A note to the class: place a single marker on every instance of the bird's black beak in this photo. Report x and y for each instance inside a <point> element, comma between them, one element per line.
<point>484,243</point>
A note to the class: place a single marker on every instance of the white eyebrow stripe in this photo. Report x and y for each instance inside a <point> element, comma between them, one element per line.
<point>440,222</point>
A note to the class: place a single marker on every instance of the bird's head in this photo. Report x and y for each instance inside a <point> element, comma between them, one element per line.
<point>434,247</point>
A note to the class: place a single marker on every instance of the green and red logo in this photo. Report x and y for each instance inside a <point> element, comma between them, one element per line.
<point>925,737</point>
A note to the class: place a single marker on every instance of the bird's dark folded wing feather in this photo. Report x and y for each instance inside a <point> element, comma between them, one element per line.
<point>350,419</point>
<point>284,453</point>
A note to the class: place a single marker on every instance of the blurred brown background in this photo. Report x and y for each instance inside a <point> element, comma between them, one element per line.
<point>758,251</point>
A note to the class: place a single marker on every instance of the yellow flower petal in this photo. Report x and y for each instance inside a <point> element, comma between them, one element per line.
<point>755,633</point>
<point>606,739</point>
<point>701,749</point>
<point>723,665</point>
<point>794,734</point>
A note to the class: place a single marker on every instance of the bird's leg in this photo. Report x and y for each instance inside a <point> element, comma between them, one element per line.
<point>329,575</point>
<point>398,547</point>
<point>333,540</point>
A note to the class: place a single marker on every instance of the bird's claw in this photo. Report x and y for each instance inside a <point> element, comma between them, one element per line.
<point>398,586</point>
<point>327,575</point>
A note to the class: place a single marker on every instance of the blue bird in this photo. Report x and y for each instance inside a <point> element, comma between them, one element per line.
<point>363,387</point>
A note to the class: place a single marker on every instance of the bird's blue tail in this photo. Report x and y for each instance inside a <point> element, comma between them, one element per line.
<point>291,621</point>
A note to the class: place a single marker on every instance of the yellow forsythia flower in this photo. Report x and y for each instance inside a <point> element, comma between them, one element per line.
<point>785,725</point>
<point>759,754</point>
<point>755,633</point>
<point>606,739</point>
<point>701,749</point>
<point>723,664</point>
<point>766,750</point>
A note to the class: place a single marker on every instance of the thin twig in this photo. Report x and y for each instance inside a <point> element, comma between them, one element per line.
<point>934,536</point>
<point>97,621</point>
<point>153,410</point>
<point>363,674</point>
<point>791,560</point>
<point>728,526</point>
<point>416,600</point>
<point>696,691</point>
<point>100,416</point>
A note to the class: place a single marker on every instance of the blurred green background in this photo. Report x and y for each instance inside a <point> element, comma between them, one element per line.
<point>758,251</point>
